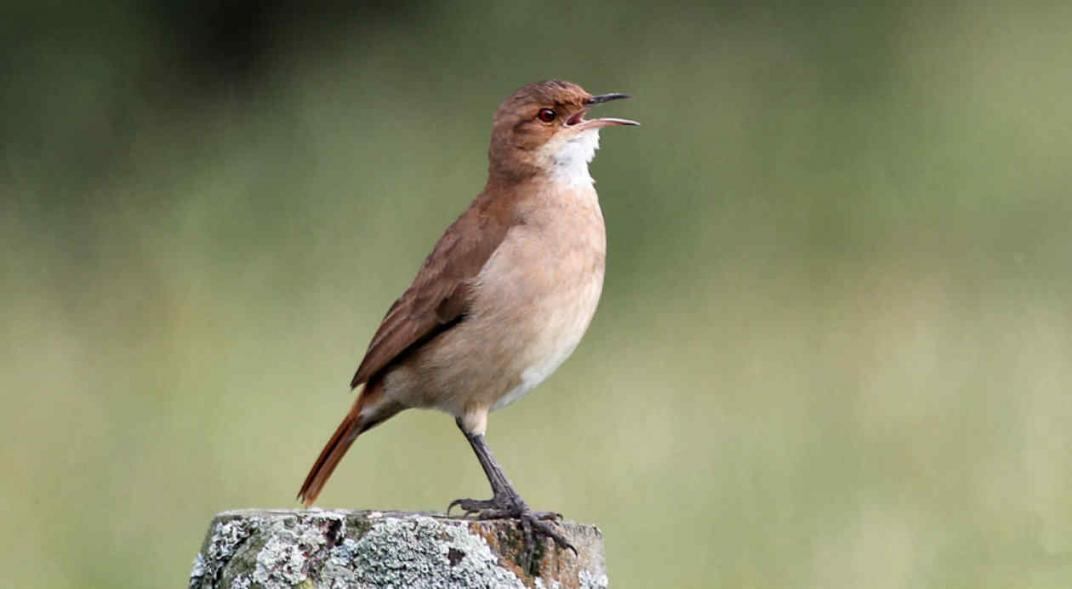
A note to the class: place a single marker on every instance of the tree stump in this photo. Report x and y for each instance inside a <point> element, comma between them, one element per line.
<point>339,549</point>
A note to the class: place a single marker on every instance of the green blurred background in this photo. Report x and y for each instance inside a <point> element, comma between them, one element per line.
<point>835,339</point>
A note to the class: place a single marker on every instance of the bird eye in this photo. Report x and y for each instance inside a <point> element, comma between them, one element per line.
<point>546,115</point>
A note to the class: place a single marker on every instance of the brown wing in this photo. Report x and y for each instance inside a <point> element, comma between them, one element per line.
<point>439,296</point>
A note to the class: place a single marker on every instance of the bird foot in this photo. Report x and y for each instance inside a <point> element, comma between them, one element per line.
<point>534,524</point>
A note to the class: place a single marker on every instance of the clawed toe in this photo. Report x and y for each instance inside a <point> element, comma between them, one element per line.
<point>474,506</point>
<point>533,525</point>
<point>539,526</point>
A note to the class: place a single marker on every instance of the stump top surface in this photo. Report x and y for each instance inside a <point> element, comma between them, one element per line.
<point>342,548</point>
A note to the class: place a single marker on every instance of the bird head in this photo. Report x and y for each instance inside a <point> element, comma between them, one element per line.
<point>541,129</point>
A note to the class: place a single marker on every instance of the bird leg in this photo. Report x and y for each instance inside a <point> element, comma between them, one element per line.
<point>505,503</point>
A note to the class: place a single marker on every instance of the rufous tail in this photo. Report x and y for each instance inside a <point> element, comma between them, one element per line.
<point>353,425</point>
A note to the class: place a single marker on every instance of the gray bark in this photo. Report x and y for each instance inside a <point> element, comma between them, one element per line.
<point>367,549</point>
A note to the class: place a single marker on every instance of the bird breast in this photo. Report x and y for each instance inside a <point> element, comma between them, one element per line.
<point>542,286</point>
<point>530,306</point>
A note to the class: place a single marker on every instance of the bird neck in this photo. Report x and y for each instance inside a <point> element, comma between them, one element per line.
<point>569,160</point>
<point>561,161</point>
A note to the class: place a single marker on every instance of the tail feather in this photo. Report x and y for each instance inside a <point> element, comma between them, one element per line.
<point>354,424</point>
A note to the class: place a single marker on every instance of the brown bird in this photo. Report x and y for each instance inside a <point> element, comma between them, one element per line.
<point>504,297</point>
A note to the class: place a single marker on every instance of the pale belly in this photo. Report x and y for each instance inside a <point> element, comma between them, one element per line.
<point>565,319</point>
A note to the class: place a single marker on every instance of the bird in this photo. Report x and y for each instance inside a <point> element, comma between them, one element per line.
<point>503,299</point>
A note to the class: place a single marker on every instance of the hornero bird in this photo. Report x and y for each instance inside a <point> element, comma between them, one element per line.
<point>503,299</point>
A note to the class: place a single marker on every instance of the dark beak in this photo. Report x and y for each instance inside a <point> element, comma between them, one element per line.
<point>605,122</point>
<point>606,98</point>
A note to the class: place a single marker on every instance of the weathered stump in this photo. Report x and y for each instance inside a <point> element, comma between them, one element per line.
<point>364,549</point>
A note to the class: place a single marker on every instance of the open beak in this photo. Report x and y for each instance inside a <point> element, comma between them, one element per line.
<point>579,123</point>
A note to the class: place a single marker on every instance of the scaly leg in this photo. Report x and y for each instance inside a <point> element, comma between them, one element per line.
<point>505,503</point>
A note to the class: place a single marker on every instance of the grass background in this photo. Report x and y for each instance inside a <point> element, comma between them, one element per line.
<point>834,343</point>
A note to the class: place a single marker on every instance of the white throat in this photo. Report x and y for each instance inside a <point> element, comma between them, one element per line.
<point>570,158</point>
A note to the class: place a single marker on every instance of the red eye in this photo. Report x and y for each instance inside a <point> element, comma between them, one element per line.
<point>546,115</point>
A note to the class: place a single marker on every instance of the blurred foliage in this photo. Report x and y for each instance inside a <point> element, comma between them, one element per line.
<point>834,344</point>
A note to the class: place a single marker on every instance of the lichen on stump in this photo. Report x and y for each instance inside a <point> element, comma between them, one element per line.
<point>339,549</point>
